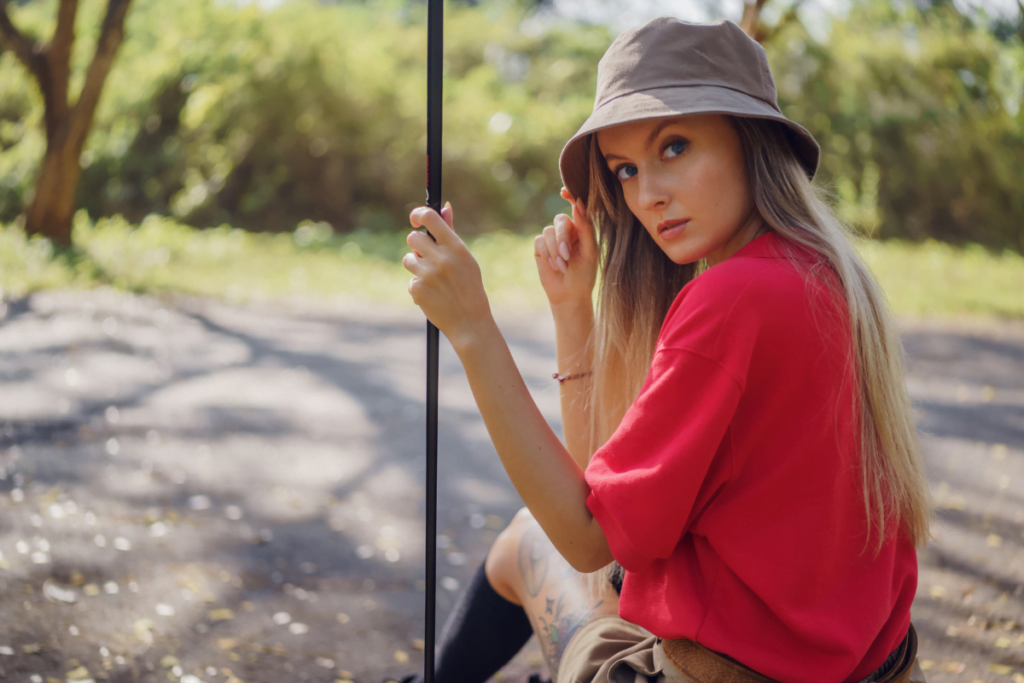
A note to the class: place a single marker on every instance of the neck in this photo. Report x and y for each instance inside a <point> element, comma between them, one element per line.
<point>743,237</point>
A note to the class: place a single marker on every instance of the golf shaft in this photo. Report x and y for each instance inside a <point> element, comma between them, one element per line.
<point>435,57</point>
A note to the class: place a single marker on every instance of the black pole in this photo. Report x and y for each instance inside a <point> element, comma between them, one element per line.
<point>435,57</point>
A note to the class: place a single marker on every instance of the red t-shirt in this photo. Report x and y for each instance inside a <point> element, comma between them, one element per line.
<point>731,491</point>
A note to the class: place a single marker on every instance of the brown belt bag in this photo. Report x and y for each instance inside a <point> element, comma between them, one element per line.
<point>701,665</point>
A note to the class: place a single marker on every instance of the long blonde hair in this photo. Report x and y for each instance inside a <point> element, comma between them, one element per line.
<point>638,283</point>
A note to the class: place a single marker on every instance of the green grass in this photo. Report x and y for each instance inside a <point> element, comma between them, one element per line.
<point>160,255</point>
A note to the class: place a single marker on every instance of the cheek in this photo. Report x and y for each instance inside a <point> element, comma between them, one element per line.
<point>723,190</point>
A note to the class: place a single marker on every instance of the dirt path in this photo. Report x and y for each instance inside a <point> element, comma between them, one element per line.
<point>191,490</point>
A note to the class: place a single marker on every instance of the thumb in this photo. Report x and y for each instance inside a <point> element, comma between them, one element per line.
<point>588,243</point>
<point>446,214</point>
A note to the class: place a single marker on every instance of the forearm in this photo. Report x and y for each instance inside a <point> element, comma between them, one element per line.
<point>573,327</point>
<point>544,473</point>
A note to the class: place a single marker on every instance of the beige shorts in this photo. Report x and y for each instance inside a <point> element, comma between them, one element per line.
<point>612,650</point>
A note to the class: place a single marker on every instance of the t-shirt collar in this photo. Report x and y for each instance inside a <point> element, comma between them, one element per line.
<point>770,245</point>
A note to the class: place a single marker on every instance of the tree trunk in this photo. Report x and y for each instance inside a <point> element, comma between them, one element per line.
<point>53,205</point>
<point>67,127</point>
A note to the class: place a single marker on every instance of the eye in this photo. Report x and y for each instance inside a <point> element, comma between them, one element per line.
<point>678,147</point>
<point>621,173</point>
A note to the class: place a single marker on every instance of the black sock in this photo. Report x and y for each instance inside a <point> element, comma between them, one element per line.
<point>484,632</point>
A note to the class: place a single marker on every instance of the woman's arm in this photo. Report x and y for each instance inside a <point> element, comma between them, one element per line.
<point>543,471</point>
<point>574,323</point>
<point>449,289</point>
<point>566,254</point>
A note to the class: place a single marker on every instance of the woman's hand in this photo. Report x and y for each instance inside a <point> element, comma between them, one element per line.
<point>447,286</point>
<point>566,255</point>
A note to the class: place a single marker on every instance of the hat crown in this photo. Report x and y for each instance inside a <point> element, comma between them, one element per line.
<point>670,53</point>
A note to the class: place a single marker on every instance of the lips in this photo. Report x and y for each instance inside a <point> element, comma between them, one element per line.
<point>667,225</point>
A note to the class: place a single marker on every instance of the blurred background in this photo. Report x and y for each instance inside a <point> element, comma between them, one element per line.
<point>211,374</point>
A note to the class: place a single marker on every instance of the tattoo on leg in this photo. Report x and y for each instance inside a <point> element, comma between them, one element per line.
<point>563,614</point>
<point>534,555</point>
<point>554,633</point>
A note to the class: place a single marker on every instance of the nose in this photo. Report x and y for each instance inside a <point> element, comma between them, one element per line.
<point>653,190</point>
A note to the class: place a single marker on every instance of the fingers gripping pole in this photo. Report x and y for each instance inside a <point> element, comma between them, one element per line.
<point>435,56</point>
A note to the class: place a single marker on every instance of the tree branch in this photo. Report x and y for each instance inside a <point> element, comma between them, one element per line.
<point>751,17</point>
<point>111,36</point>
<point>25,48</point>
<point>763,34</point>
<point>58,55</point>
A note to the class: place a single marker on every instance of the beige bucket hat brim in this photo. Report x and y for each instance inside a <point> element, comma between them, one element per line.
<point>669,67</point>
<point>675,101</point>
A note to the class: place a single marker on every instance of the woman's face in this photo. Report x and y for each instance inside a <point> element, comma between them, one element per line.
<point>685,180</point>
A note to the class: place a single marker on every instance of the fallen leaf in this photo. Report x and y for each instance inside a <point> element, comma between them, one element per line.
<point>953,667</point>
<point>927,664</point>
<point>91,589</point>
<point>167,661</point>
<point>418,644</point>
<point>226,643</point>
<point>31,648</point>
<point>401,656</point>
<point>143,630</point>
<point>1002,641</point>
<point>221,614</point>
<point>343,618</point>
<point>994,540</point>
<point>1001,669</point>
<point>79,674</point>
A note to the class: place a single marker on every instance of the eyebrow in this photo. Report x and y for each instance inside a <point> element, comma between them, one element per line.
<point>650,138</point>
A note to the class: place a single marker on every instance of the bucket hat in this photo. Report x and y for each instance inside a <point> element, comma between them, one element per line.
<point>669,67</point>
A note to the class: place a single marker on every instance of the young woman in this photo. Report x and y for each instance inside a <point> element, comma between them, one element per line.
<point>738,436</point>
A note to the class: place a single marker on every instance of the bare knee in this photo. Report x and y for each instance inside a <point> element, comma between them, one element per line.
<point>502,562</point>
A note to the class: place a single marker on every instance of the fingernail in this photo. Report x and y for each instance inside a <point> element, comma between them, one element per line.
<point>447,205</point>
<point>562,266</point>
<point>552,264</point>
<point>563,249</point>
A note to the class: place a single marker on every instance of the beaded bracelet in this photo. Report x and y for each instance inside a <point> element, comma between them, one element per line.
<point>562,379</point>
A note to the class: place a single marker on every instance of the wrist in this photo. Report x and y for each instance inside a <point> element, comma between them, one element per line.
<point>474,338</point>
<point>574,310</point>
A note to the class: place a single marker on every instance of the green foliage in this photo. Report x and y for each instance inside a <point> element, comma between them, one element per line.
<point>223,113</point>
<point>920,120</point>
<point>218,113</point>
<point>314,264</point>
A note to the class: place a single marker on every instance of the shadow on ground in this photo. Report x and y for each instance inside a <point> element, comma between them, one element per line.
<point>195,489</point>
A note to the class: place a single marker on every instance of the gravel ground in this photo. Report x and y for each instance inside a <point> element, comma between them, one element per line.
<point>192,491</point>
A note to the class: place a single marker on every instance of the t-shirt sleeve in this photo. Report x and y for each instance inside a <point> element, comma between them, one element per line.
<point>645,480</point>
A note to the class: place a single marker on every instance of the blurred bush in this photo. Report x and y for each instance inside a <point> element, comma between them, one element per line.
<point>919,114</point>
<point>218,113</point>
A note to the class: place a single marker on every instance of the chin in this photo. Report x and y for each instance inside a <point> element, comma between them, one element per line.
<point>682,254</point>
